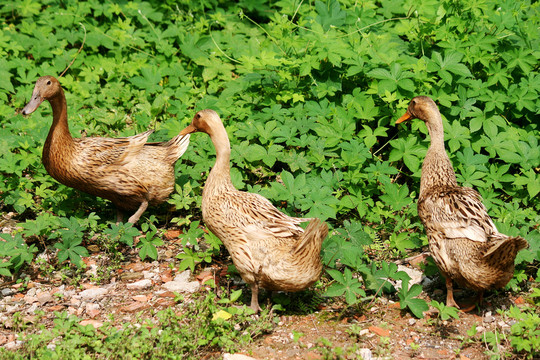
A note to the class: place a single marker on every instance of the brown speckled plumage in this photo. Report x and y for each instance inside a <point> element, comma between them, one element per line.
<point>463,239</point>
<point>128,171</point>
<point>268,248</point>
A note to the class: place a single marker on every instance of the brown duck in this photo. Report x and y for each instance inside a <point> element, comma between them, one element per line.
<point>127,171</point>
<point>464,242</point>
<point>268,248</point>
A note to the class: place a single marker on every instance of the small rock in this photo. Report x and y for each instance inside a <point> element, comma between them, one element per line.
<point>7,292</point>
<point>237,357</point>
<point>141,298</point>
<point>55,308</point>
<point>93,248</point>
<point>166,276</point>
<point>92,270</point>
<point>164,302</point>
<point>502,324</point>
<point>93,294</point>
<point>488,318</point>
<point>138,266</point>
<point>30,299</point>
<point>365,353</point>
<point>379,331</point>
<point>140,285</point>
<point>44,297</point>
<point>166,294</point>
<point>150,275</point>
<point>32,309</point>
<point>416,275</point>
<point>363,332</point>
<point>412,322</point>
<point>135,307</point>
<point>181,283</point>
<point>172,234</point>
<point>95,323</point>
<point>131,276</point>
<point>13,345</point>
<point>480,329</point>
<point>91,306</point>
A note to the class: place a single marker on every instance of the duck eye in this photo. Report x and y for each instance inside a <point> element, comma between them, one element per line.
<point>198,116</point>
<point>49,82</point>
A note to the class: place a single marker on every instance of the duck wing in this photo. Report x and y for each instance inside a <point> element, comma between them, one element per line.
<point>112,151</point>
<point>257,217</point>
<point>456,212</point>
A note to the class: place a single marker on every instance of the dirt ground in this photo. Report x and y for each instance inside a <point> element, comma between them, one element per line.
<point>380,330</point>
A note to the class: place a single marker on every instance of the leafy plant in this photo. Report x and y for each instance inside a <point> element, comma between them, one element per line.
<point>345,285</point>
<point>445,312</point>
<point>407,298</point>
<point>15,253</point>
<point>149,242</point>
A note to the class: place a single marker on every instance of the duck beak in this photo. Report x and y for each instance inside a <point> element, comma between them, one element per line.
<point>189,129</point>
<point>405,117</point>
<point>33,103</point>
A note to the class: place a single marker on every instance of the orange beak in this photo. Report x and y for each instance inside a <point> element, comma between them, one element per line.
<point>189,129</point>
<point>405,117</point>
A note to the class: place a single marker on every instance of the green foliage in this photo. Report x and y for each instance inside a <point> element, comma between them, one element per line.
<point>197,252</point>
<point>71,234</point>
<point>14,253</point>
<point>445,312</point>
<point>346,284</point>
<point>308,92</point>
<point>149,242</point>
<point>524,334</point>
<point>407,298</point>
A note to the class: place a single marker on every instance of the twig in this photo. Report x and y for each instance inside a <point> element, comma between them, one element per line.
<point>78,52</point>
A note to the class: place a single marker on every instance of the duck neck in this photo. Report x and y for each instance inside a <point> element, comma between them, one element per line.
<point>437,169</point>
<point>219,179</point>
<point>59,136</point>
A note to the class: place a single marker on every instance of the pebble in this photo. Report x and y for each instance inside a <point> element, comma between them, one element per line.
<point>93,293</point>
<point>416,275</point>
<point>364,332</point>
<point>412,322</point>
<point>480,329</point>
<point>140,285</point>
<point>181,283</point>
<point>488,318</point>
<point>44,297</point>
<point>7,292</point>
<point>13,345</point>
<point>95,323</point>
<point>91,306</point>
<point>365,353</point>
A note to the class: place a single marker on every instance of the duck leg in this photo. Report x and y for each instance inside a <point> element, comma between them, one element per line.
<point>135,217</point>
<point>450,294</point>
<point>255,298</point>
<point>119,216</point>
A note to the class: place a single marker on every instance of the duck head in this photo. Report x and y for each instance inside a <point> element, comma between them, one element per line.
<point>420,107</point>
<point>204,121</point>
<point>46,88</point>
